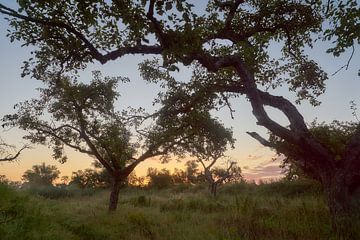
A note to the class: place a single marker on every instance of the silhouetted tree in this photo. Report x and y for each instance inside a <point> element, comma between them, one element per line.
<point>4,180</point>
<point>179,176</point>
<point>134,180</point>
<point>192,171</point>
<point>88,178</point>
<point>82,117</point>
<point>229,42</point>
<point>215,176</point>
<point>159,179</point>
<point>41,175</point>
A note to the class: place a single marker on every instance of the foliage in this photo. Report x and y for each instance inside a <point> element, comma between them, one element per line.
<point>134,180</point>
<point>49,191</point>
<point>335,136</point>
<point>192,171</point>
<point>90,178</point>
<point>54,26</point>
<point>82,117</point>
<point>249,211</point>
<point>41,174</point>
<point>159,179</point>
<point>231,176</point>
<point>4,180</point>
<point>23,217</point>
<point>228,45</point>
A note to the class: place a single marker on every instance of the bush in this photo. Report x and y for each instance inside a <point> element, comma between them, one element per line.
<point>179,188</point>
<point>237,188</point>
<point>290,188</point>
<point>23,218</point>
<point>52,192</point>
<point>192,204</point>
<point>141,201</point>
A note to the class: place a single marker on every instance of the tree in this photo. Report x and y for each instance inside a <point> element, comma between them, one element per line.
<point>41,175</point>
<point>71,35</point>
<point>215,176</point>
<point>134,180</point>
<point>4,180</point>
<point>87,178</point>
<point>159,179</point>
<point>65,179</point>
<point>179,176</point>
<point>192,171</point>
<point>82,117</point>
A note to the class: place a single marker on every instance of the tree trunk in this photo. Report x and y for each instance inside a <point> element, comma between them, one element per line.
<point>114,195</point>
<point>213,189</point>
<point>343,210</point>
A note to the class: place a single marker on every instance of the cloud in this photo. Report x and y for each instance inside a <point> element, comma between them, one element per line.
<point>254,157</point>
<point>264,170</point>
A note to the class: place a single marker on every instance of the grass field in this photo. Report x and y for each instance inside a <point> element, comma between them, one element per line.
<point>279,210</point>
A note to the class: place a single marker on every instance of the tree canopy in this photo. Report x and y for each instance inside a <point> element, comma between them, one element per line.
<point>41,175</point>
<point>81,116</point>
<point>228,45</point>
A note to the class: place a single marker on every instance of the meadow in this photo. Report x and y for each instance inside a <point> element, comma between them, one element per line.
<point>278,210</point>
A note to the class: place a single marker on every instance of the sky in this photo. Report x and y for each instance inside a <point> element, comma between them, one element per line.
<point>254,159</point>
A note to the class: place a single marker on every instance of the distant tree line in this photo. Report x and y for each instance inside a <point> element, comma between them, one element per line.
<point>43,175</point>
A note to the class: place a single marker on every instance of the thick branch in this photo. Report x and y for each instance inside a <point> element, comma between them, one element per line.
<point>260,139</point>
<point>233,7</point>
<point>95,152</point>
<point>156,24</point>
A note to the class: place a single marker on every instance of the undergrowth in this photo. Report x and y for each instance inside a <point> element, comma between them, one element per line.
<point>282,210</point>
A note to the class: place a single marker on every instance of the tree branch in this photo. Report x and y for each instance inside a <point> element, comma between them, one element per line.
<point>260,139</point>
<point>102,58</point>
<point>10,158</point>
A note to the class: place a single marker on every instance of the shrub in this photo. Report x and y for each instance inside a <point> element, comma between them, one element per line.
<point>49,191</point>
<point>141,201</point>
<point>290,188</point>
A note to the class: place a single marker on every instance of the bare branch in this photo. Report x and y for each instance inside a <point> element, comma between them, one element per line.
<point>10,158</point>
<point>346,66</point>
<point>260,139</point>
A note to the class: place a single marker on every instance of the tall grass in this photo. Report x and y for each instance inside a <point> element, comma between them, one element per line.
<point>243,211</point>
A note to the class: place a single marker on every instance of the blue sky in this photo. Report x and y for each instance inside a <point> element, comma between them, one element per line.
<point>251,156</point>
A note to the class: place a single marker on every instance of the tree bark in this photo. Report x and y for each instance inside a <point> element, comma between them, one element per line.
<point>114,195</point>
<point>344,210</point>
<point>214,189</point>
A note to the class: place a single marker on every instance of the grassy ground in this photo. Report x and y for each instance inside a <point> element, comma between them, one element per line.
<point>243,211</point>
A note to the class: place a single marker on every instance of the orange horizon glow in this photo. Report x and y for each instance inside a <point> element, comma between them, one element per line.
<point>258,166</point>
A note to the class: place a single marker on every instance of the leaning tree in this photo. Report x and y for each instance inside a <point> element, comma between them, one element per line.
<point>229,41</point>
<point>82,117</point>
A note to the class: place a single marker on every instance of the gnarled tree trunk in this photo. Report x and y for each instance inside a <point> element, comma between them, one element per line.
<point>344,210</point>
